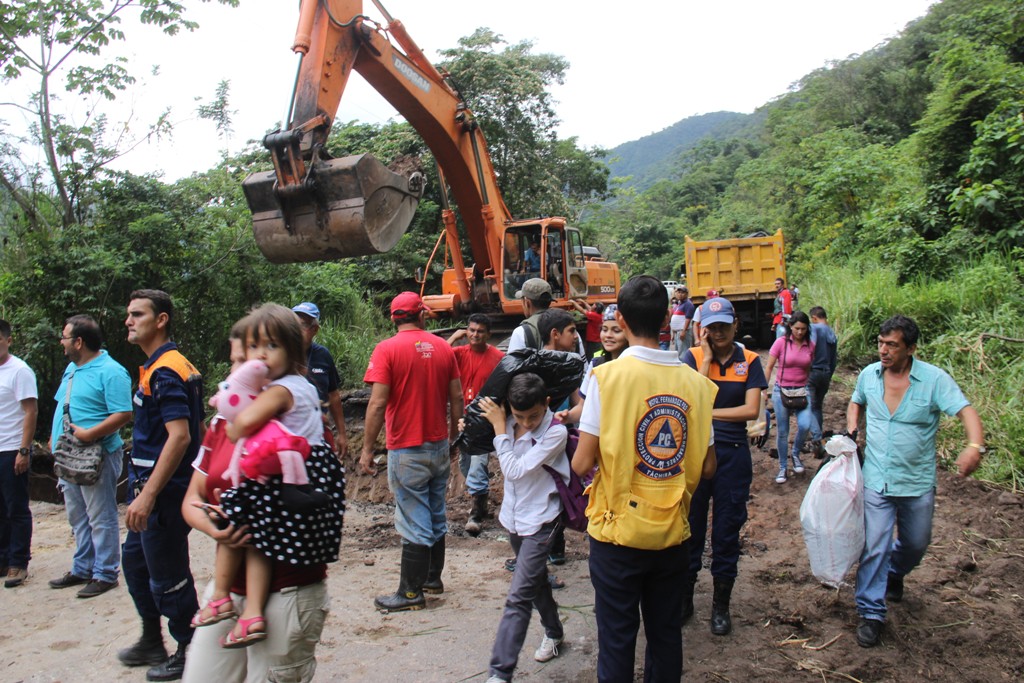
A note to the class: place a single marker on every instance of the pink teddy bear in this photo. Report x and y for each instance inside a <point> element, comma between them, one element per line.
<point>273,449</point>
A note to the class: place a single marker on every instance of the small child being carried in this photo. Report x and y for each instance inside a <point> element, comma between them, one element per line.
<point>276,427</point>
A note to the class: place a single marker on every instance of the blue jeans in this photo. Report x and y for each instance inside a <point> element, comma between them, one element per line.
<point>15,515</point>
<point>156,564</point>
<point>529,589</point>
<point>474,469</point>
<point>882,556</point>
<point>418,479</point>
<point>805,423</point>
<point>819,382</point>
<point>92,513</point>
<point>630,584</point>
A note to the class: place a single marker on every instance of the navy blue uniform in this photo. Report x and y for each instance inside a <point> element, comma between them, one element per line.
<point>730,487</point>
<point>156,561</point>
<point>322,373</point>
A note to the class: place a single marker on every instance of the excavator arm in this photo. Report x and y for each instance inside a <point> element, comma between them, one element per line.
<point>311,208</point>
<point>314,208</point>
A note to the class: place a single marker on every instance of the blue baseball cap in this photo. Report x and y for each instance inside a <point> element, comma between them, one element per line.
<point>717,310</point>
<point>308,308</point>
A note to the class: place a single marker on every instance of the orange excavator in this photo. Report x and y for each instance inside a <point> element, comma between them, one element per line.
<point>314,208</point>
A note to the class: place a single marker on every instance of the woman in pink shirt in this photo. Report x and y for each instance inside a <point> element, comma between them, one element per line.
<point>794,353</point>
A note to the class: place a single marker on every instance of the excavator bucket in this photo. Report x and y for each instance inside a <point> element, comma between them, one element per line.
<point>354,206</point>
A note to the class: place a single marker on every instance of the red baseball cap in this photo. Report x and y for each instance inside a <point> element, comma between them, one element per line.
<point>406,305</point>
<point>712,293</point>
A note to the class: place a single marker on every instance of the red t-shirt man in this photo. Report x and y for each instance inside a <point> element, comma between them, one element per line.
<point>477,359</point>
<point>418,367</point>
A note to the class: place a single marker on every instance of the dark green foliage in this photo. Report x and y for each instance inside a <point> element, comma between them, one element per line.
<point>642,162</point>
<point>507,90</point>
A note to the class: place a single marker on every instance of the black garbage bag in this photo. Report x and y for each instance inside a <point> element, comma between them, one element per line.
<point>562,373</point>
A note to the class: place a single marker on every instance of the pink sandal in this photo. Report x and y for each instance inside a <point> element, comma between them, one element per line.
<point>246,637</point>
<point>199,621</point>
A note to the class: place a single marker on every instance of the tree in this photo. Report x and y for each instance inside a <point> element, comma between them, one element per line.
<point>62,44</point>
<point>507,90</point>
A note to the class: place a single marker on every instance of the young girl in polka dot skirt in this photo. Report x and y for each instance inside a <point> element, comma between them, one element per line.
<point>280,531</point>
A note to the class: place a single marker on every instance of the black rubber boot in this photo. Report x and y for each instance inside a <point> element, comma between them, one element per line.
<point>477,515</point>
<point>721,622</point>
<point>688,584</point>
<point>409,596</point>
<point>148,650</point>
<point>433,585</point>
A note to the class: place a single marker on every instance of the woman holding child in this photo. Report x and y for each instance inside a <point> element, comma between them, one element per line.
<point>281,620</point>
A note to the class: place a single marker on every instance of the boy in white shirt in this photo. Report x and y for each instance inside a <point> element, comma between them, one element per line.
<point>531,511</point>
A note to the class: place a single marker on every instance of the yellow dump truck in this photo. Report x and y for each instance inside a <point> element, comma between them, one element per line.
<point>743,270</point>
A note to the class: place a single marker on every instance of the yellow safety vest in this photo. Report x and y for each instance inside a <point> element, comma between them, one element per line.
<point>655,428</point>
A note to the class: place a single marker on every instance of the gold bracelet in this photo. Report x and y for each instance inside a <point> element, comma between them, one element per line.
<point>981,447</point>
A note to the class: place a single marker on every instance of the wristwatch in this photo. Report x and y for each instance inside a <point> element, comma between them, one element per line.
<point>25,451</point>
<point>981,448</point>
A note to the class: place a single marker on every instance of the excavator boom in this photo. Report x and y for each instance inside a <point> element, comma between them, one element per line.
<point>312,207</point>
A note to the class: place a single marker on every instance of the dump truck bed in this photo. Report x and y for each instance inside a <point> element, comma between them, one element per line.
<point>740,269</point>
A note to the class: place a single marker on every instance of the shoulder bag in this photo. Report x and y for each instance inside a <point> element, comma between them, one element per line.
<point>793,398</point>
<point>75,461</point>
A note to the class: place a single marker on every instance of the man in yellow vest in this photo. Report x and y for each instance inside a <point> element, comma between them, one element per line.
<point>646,425</point>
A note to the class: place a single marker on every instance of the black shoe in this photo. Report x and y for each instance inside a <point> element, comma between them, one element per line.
<point>819,450</point>
<point>556,558</point>
<point>868,632</point>
<point>721,621</point>
<point>170,670</point>
<point>143,653</point>
<point>96,587</point>
<point>894,589</point>
<point>67,581</point>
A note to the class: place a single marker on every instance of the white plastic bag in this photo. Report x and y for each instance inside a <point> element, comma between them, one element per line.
<point>832,514</point>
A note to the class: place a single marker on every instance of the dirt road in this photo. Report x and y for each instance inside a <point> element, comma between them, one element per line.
<point>962,619</point>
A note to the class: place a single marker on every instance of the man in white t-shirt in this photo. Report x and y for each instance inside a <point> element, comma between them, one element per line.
<point>18,411</point>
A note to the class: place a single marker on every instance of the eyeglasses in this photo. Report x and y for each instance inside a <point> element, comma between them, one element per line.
<point>63,338</point>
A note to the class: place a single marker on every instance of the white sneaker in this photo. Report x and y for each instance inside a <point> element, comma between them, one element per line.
<point>495,679</point>
<point>798,466</point>
<point>548,649</point>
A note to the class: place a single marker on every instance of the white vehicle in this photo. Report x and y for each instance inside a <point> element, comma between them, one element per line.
<point>670,287</point>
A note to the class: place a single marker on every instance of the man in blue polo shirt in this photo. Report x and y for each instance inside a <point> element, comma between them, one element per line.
<point>740,378</point>
<point>166,437</point>
<point>98,394</point>
<point>903,399</point>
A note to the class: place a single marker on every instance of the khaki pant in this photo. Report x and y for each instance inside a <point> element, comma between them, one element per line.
<point>295,617</point>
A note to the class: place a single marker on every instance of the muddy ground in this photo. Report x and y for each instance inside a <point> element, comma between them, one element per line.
<point>962,619</point>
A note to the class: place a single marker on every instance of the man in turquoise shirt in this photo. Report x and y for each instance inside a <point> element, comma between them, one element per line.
<point>101,403</point>
<point>903,399</point>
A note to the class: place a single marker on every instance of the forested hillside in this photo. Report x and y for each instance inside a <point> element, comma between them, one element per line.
<point>640,163</point>
<point>896,177</point>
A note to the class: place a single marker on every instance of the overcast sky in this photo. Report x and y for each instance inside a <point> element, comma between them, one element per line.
<point>635,68</point>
